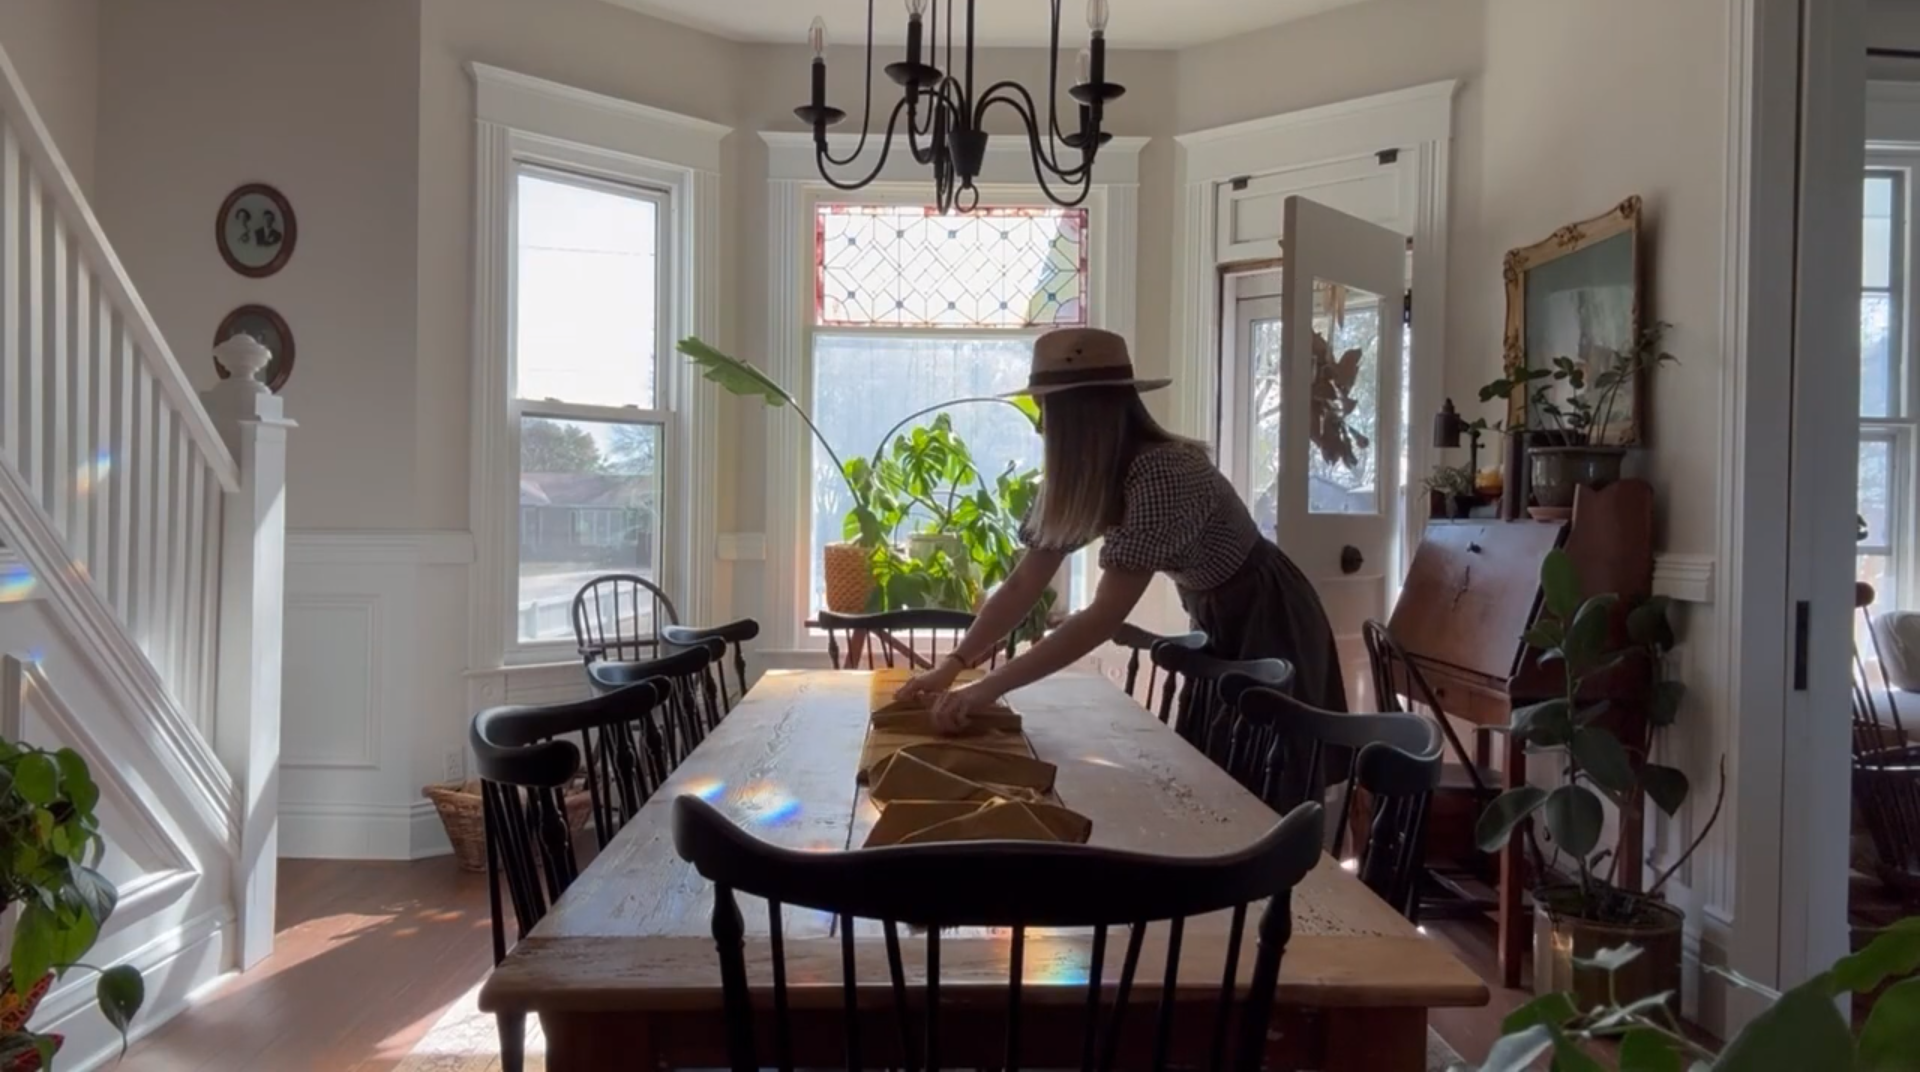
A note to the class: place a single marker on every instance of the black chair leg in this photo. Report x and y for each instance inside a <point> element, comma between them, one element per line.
<point>513,1041</point>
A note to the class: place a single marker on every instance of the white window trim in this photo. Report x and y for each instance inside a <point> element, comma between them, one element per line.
<point>1418,122</point>
<point>794,187</point>
<point>528,120</point>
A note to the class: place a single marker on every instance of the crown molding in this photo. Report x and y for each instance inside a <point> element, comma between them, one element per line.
<point>554,110</point>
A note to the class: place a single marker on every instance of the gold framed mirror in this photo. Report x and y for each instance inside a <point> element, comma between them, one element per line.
<point>1577,295</point>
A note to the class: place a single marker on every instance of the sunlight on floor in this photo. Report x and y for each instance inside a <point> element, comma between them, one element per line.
<point>466,1040</point>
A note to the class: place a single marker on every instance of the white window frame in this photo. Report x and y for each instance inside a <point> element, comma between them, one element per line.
<point>795,190</point>
<point>525,121</point>
<point>1901,431</point>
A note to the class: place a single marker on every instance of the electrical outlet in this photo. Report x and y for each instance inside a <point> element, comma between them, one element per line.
<point>456,765</point>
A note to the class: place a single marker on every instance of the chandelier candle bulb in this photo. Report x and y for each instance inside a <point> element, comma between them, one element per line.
<point>817,38</point>
<point>1097,16</point>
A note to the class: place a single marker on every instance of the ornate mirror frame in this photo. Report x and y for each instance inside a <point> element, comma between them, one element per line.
<point>1565,242</point>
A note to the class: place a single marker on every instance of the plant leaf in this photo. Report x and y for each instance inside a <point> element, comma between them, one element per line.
<point>733,374</point>
<point>1504,813</point>
<point>1649,626</point>
<point>1666,786</point>
<point>1664,707</point>
<point>1610,959</point>
<point>1601,757</point>
<point>33,942</point>
<point>1586,642</point>
<point>1517,1052</point>
<point>1645,1050</point>
<point>1568,1056</point>
<point>121,992</point>
<point>1895,951</point>
<point>1574,818</point>
<point>1801,1030</point>
<point>1545,724</point>
<point>1554,1010</point>
<point>1561,583</point>
<point>36,779</point>
<point>1890,1041</point>
<point>1546,635</point>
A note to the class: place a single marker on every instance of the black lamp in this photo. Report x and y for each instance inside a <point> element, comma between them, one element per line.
<point>1448,427</point>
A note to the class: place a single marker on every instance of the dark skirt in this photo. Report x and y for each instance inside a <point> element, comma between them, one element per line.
<point>1269,610</point>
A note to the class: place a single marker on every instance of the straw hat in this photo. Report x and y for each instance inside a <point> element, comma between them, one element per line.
<point>1082,357</point>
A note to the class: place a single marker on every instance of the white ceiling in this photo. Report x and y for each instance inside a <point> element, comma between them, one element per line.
<point>1134,24</point>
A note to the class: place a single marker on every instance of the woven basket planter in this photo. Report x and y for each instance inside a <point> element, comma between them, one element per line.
<point>465,820</point>
<point>849,576</point>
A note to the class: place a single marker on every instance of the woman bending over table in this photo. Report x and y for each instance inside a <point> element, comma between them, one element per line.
<point>1159,505</point>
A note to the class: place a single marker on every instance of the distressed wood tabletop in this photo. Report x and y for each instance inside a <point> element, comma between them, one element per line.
<point>632,934</point>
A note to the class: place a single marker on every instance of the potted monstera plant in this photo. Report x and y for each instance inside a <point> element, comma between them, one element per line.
<point>1579,909</point>
<point>865,561</point>
<point>52,898</point>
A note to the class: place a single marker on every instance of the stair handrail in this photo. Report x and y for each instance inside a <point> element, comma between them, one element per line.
<point>37,145</point>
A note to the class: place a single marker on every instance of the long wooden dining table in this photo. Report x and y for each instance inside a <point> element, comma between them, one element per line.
<point>623,974</point>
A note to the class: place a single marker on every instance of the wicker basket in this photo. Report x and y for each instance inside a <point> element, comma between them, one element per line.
<point>849,575</point>
<point>461,814</point>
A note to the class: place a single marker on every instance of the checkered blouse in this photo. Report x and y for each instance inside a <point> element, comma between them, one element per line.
<point>1182,518</point>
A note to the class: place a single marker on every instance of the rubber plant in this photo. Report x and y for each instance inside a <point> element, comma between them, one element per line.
<point>1801,1030</point>
<point>1574,634</point>
<point>54,898</point>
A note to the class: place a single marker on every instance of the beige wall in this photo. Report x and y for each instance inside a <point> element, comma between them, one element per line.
<point>192,106</point>
<point>54,44</point>
<point>1894,24</point>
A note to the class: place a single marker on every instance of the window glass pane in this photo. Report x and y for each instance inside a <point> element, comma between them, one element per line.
<point>586,293</point>
<point>1876,490</point>
<point>1344,406</point>
<point>589,501</point>
<point>1263,410</point>
<point>906,266</point>
<point>863,385</point>
<point>1876,249</point>
<point>1876,356</point>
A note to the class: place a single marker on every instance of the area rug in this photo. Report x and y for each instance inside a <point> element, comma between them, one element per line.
<point>466,1040</point>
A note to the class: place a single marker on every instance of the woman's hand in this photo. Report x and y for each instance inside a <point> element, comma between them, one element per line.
<point>952,712</point>
<point>930,684</point>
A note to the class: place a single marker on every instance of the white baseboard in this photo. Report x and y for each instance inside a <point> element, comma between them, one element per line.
<point>177,967</point>
<point>346,831</point>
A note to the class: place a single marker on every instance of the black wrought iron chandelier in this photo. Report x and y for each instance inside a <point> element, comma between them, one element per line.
<point>946,110</point>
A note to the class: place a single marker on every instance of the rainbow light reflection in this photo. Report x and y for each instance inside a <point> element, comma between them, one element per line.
<point>93,473</point>
<point>765,804</point>
<point>705,788</point>
<point>16,583</point>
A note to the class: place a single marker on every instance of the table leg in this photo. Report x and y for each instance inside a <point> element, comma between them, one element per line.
<point>598,1043</point>
<point>1512,922</point>
<point>1376,1040</point>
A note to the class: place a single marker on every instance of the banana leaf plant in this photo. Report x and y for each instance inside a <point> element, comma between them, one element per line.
<point>58,901</point>
<point>1575,633</point>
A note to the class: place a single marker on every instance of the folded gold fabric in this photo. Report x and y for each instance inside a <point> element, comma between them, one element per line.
<point>885,683</point>
<point>919,822</point>
<point>963,760</point>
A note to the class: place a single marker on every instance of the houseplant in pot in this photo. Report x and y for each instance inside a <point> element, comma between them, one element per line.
<point>1576,917</point>
<point>1574,415</point>
<point>849,567</point>
<point>51,897</point>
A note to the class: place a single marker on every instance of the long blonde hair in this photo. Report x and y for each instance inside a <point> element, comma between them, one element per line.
<point>1089,438</point>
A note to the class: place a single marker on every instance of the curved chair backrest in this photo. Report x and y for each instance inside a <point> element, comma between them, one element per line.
<point>618,616</point>
<point>1393,757</point>
<point>733,637</point>
<point>1015,885</point>
<point>914,639</point>
<point>523,800</point>
<point>1191,702</point>
<point>1139,642</point>
<point>690,702</point>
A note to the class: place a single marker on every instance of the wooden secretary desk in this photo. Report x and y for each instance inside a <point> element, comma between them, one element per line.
<point>1471,593</point>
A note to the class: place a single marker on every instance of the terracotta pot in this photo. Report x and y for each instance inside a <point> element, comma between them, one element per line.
<point>849,577</point>
<point>1558,472</point>
<point>1560,937</point>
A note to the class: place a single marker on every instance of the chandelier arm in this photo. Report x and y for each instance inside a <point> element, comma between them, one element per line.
<point>866,110</point>
<point>942,101</point>
<point>1081,178</point>
<point>822,158</point>
<point>1053,77</point>
<point>1022,105</point>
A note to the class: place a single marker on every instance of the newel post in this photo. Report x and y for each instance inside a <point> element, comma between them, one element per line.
<point>252,604</point>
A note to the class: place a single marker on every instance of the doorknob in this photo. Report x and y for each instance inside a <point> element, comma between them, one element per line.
<point>1351,559</point>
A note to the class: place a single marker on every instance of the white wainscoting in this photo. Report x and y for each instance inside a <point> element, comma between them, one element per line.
<point>374,706</point>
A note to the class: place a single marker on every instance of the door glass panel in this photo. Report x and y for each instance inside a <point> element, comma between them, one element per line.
<point>1264,424</point>
<point>1876,365</point>
<point>1344,408</point>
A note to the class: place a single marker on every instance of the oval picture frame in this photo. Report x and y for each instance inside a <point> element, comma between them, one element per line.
<point>268,328</point>
<point>256,230</point>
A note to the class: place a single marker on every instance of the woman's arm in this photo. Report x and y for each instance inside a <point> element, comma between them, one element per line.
<point>1002,611</point>
<point>1119,591</point>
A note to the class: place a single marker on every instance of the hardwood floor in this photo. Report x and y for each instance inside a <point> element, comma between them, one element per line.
<point>371,954</point>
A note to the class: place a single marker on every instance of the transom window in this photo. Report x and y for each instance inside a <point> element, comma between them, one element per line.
<point>589,287</point>
<point>913,309</point>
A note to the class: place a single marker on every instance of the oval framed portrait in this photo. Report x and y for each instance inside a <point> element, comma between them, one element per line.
<point>270,330</point>
<point>256,230</point>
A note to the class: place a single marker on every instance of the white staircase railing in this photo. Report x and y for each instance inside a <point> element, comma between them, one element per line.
<point>100,422</point>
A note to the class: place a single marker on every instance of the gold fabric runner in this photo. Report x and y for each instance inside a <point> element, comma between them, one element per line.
<point>981,785</point>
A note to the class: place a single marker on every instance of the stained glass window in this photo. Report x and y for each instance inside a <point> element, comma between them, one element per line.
<point>906,266</point>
